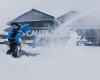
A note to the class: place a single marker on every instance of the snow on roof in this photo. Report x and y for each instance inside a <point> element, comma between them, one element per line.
<point>32,15</point>
<point>3,32</point>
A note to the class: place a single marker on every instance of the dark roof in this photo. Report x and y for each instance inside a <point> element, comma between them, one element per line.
<point>67,16</point>
<point>32,15</point>
<point>8,29</point>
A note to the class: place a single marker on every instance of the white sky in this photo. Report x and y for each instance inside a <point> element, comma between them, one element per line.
<point>10,9</point>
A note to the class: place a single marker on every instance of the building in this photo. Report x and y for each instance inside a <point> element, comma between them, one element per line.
<point>66,17</point>
<point>40,22</point>
<point>89,28</point>
<point>92,35</point>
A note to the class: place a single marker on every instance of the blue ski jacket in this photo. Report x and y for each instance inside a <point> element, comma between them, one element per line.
<point>15,35</point>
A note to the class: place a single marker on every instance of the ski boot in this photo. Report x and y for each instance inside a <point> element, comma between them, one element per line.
<point>15,52</point>
<point>9,52</point>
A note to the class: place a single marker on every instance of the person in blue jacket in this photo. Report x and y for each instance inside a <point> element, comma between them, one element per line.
<point>14,37</point>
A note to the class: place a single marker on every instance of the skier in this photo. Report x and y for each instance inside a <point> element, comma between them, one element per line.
<point>14,38</point>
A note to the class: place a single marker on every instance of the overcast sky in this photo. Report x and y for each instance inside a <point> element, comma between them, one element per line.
<point>10,9</point>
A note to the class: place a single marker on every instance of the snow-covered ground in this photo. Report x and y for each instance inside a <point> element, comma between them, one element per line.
<point>68,62</point>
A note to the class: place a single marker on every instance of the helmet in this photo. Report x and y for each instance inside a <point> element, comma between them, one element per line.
<point>15,25</point>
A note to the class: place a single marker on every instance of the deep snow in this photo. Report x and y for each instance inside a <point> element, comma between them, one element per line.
<point>68,62</point>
